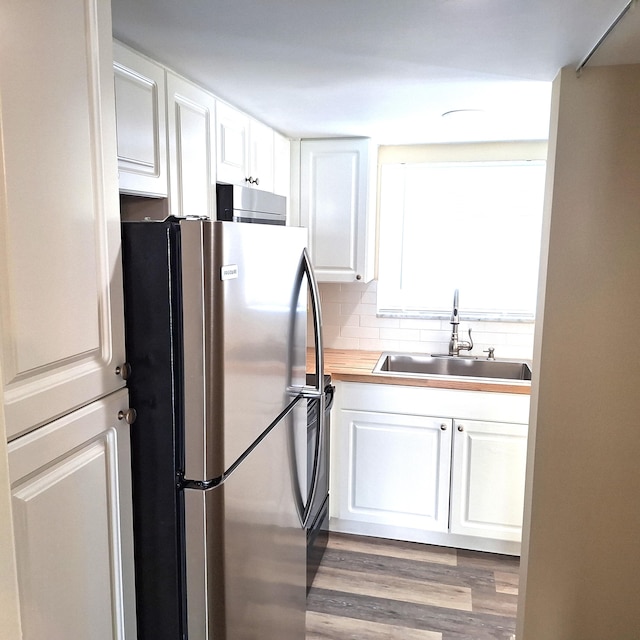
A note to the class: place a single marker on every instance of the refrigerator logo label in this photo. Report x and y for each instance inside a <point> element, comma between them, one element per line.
<point>228,272</point>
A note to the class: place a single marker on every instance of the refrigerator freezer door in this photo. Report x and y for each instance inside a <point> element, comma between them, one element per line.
<point>242,279</point>
<point>246,551</point>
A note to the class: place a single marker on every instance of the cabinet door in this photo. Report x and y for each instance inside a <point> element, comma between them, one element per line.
<point>141,118</point>
<point>397,471</point>
<point>261,156</point>
<point>61,311</point>
<point>71,495</point>
<point>192,150</point>
<point>232,145</point>
<point>487,491</point>
<point>337,206</point>
<point>281,166</point>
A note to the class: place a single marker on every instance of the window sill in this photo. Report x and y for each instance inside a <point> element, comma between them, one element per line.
<point>464,317</point>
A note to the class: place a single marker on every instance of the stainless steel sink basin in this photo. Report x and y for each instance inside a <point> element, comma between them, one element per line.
<point>409,364</point>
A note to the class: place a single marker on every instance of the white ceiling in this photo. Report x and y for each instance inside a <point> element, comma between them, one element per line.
<point>386,69</point>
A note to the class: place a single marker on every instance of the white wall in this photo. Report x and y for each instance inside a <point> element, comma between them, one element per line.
<point>581,548</point>
<point>349,322</point>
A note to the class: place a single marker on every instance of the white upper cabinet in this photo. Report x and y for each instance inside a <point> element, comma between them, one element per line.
<point>245,149</point>
<point>281,165</point>
<point>175,139</point>
<point>61,309</point>
<point>141,120</point>
<point>232,144</point>
<point>192,149</point>
<point>261,157</point>
<point>337,205</point>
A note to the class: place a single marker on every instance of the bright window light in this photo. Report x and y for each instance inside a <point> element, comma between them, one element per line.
<point>472,226</point>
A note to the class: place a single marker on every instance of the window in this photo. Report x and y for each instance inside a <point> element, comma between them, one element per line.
<point>471,226</point>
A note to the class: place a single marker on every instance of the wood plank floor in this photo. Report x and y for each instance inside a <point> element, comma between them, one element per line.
<point>374,589</point>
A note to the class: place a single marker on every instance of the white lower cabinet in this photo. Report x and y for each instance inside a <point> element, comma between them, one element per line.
<point>399,468</point>
<point>411,463</point>
<point>487,483</point>
<point>71,501</point>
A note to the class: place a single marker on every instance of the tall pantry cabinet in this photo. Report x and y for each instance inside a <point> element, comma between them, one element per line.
<point>61,322</point>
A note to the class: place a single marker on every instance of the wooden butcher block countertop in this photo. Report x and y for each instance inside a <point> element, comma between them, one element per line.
<point>357,366</point>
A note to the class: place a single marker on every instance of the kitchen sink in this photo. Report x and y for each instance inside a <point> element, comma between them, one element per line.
<point>409,364</point>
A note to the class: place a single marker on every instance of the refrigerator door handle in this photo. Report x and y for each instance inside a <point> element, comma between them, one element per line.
<point>316,392</point>
<point>317,321</point>
<point>307,391</point>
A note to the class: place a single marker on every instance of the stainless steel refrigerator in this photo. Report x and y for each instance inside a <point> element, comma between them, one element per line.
<point>216,324</point>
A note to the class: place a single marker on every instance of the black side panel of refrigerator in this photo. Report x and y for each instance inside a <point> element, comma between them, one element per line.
<point>153,339</point>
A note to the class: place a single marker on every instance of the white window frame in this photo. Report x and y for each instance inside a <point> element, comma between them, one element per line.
<point>405,291</point>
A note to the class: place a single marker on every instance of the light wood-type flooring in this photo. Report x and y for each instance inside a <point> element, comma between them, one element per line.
<point>374,589</point>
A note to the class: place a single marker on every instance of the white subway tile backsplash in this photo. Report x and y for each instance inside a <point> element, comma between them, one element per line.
<point>367,344</point>
<point>374,321</point>
<point>360,309</point>
<point>369,297</point>
<point>416,323</point>
<point>369,333</point>
<point>388,345</point>
<point>435,337</point>
<point>400,334</point>
<point>435,347</point>
<point>343,343</point>
<point>484,337</point>
<point>329,291</point>
<point>350,322</point>
<point>331,313</point>
<point>352,297</point>
<point>330,333</point>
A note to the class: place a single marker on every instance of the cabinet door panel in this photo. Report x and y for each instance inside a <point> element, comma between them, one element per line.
<point>141,117</point>
<point>488,479</point>
<point>232,145</point>
<point>71,493</point>
<point>191,126</point>
<point>398,470</point>
<point>261,155</point>
<point>61,292</point>
<point>282,166</point>
<point>335,190</point>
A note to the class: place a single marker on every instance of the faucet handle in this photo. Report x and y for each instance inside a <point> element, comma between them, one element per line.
<point>490,351</point>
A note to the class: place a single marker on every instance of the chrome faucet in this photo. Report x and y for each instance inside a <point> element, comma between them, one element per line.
<point>456,345</point>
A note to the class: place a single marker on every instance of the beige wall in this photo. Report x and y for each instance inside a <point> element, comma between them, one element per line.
<point>581,557</point>
<point>9,613</point>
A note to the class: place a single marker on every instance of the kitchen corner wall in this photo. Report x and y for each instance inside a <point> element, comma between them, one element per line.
<point>350,322</point>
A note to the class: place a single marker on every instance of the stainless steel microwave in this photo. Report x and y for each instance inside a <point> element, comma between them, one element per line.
<point>242,204</point>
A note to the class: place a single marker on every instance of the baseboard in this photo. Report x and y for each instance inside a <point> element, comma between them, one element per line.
<point>453,540</point>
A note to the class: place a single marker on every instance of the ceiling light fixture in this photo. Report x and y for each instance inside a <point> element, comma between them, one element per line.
<point>461,111</point>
